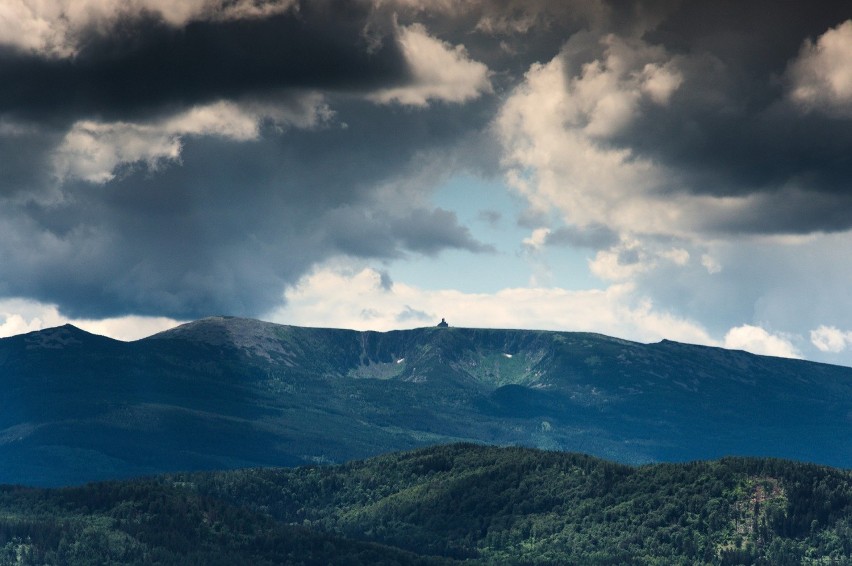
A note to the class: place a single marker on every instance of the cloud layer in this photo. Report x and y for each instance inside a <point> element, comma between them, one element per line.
<point>366,304</point>
<point>199,158</point>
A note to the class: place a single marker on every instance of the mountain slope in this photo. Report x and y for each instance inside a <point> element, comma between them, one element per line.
<point>226,393</point>
<point>477,504</point>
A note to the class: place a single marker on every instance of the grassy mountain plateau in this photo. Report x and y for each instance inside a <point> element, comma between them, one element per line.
<point>225,393</point>
<point>445,505</point>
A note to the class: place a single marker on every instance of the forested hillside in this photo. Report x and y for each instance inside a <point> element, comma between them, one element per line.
<point>447,504</point>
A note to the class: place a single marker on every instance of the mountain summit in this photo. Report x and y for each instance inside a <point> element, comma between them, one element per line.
<point>229,392</point>
<point>251,336</point>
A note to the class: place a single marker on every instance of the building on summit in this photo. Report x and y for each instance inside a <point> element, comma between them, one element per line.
<point>443,324</point>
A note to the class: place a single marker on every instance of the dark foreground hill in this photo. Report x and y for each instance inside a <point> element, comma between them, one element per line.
<point>227,393</point>
<point>481,505</point>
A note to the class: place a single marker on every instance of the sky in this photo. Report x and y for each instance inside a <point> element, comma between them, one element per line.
<point>645,169</point>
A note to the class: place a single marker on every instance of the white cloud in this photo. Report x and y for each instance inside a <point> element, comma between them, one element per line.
<point>621,262</point>
<point>821,76</point>
<point>789,285</point>
<point>14,324</point>
<point>831,339</point>
<point>440,71</point>
<point>356,299</point>
<point>631,257</point>
<point>53,27</point>
<point>92,150</point>
<point>127,328</point>
<point>19,316</point>
<point>559,131</point>
<point>710,264</point>
<point>756,340</point>
<point>551,129</point>
<point>659,82</point>
<point>537,239</point>
<point>677,256</point>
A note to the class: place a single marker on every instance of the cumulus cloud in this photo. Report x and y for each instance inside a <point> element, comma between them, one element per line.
<point>551,127</point>
<point>757,340</point>
<point>577,137</point>
<point>710,264</point>
<point>537,239</point>
<point>439,71</point>
<point>149,68</point>
<point>791,286</point>
<point>335,296</point>
<point>622,262</point>
<point>684,132</point>
<point>56,27</point>
<point>830,339</point>
<point>236,220</point>
<point>821,77</point>
<point>678,256</point>
<point>685,146</point>
<point>594,236</point>
<point>631,258</point>
<point>189,176</point>
<point>20,316</point>
<point>92,151</point>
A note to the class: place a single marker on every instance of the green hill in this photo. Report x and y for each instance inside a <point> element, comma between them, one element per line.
<point>470,503</point>
<point>229,393</point>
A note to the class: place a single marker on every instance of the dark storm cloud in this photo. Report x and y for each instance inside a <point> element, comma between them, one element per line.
<point>753,39</point>
<point>24,153</point>
<point>228,228</point>
<point>230,224</point>
<point>144,65</point>
<point>733,140</point>
<point>800,212</point>
<point>730,129</point>
<point>430,231</point>
<point>506,35</point>
<point>362,232</point>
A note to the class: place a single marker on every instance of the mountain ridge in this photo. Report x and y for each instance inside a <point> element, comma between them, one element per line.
<point>231,392</point>
<point>182,330</point>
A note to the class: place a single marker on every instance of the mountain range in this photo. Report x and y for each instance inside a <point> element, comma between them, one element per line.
<point>224,393</point>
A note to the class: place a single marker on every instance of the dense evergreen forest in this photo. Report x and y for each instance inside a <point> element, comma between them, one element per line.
<point>446,504</point>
